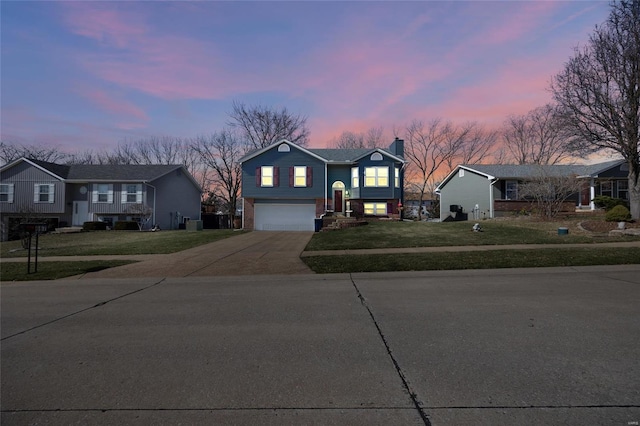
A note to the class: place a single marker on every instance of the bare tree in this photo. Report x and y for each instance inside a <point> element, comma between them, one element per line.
<point>372,138</point>
<point>599,91</point>
<point>548,192</point>
<point>141,212</point>
<point>261,126</point>
<point>221,152</point>
<point>469,143</point>
<point>427,147</point>
<point>349,140</point>
<point>537,137</point>
<point>11,151</point>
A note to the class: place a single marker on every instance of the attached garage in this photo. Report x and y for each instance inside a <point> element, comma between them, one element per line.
<point>284,217</point>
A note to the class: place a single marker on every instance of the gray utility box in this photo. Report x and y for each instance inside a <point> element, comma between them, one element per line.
<point>194,225</point>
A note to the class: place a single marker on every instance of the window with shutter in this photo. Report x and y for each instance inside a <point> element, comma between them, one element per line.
<point>6,193</point>
<point>43,193</point>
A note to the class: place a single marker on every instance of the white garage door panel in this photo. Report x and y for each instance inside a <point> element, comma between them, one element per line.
<point>284,217</point>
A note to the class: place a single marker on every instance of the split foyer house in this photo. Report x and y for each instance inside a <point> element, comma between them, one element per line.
<point>69,195</point>
<point>486,191</point>
<point>286,186</point>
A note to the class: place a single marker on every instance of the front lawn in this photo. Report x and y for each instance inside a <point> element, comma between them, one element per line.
<point>117,242</point>
<point>388,234</point>
<point>491,259</point>
<point>17,271</point>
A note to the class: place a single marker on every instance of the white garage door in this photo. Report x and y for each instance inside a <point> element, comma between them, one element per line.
<point>284,217</point>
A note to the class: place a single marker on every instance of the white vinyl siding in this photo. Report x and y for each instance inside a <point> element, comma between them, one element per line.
<point>43,193</point>
<point>102,193</point>
<point>6,193</point>
<point>376,176</point>
<point>131,193</point>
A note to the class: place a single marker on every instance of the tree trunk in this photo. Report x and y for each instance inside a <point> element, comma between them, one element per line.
<point>634,193</point>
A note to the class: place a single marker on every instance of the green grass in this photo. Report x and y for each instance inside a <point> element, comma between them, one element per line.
<point>17,271</point>
<point>383,234</point>
<point>117,242</point>
<point>490,259</point>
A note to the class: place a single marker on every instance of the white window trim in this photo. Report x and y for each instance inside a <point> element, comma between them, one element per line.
<point>303,177</point>
<point>506,189</point>
<point>355,178</point>
<point>125,195</point>
<point>271,176</point>
<point>376,177</point>
<point>375,207</point>
<point>10,191</point>
<point>396,177</point>
<point>36,193</point>
<point>95,195</point>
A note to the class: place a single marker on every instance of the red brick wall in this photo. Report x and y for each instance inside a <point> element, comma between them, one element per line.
<point>248,214</point>
<point>319,207</point>
<point>514,206</point>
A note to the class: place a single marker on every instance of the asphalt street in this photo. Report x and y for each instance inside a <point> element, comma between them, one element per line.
<point>556,346</point>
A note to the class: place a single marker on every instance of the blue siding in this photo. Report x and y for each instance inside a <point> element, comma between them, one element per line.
<point>283,160</point>
<point>390,192</point>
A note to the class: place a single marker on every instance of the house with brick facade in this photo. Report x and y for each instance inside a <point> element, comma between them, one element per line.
<point>482,191</point>
<point>287,187</point>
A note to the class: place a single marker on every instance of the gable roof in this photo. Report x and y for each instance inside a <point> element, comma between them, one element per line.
<point>524,171</point>
<point>105,172</point>
<point>122,172</point>
<point>328,155</point>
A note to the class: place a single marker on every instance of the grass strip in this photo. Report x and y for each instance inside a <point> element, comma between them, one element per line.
<point>491,259</point>
<point>118,242</point>
<point>17,271</point>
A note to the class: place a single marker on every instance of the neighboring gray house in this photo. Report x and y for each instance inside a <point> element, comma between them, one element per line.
<point>486,191</point>
<point>285,186</point>
<point>69,195</point>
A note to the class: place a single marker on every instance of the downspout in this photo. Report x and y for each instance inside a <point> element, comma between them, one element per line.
<point>154,202</point>
<point>326,183</point>
<point>491,201</point>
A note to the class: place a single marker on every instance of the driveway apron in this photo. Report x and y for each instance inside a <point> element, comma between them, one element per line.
<point>252,253</point>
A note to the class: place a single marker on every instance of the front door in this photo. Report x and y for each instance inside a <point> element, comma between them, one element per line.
<point>80,212</point>
<point>337,201</point>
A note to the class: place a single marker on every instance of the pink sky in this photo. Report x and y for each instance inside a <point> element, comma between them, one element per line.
<point>87,75</point>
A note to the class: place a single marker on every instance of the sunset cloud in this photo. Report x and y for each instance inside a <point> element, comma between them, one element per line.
<point>124,69</point>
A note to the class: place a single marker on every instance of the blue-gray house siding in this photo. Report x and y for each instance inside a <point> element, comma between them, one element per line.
<point>330,189</point>
<point>169,190</point>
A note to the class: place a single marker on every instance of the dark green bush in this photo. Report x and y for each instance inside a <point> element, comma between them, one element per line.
<point>618,214</point>
<point>607,203</point>
<point>94,226</point>
<point>126,225</point>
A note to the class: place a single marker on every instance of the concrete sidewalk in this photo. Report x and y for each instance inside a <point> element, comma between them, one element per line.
<point>262,253</point>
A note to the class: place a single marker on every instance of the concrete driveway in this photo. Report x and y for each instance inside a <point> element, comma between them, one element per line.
<point>257,252</point>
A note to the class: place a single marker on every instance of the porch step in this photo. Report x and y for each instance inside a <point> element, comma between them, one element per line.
<point>334,223</point>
